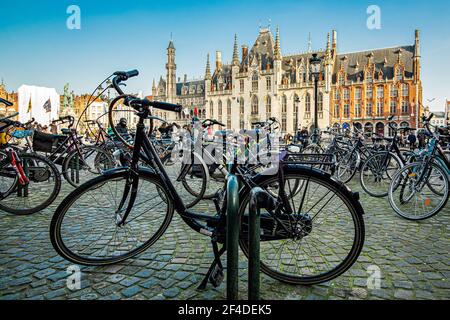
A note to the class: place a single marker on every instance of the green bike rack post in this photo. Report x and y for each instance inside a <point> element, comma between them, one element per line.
<point>232,237</point>
<point>259,198</point>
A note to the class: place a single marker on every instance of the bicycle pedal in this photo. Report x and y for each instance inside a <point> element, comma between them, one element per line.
<point>217,276</point>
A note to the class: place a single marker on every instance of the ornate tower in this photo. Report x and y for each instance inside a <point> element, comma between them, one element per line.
<point>171,90</point>
<point>416,58</point>
<point>277,63</point>
<point>235,52</point>
<point>334,44</point>
<point>207,78</point>
<point>328,66</point>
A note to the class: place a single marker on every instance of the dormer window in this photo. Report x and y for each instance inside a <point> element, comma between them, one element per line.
<point>341,79</point>
<point>398,74</point>
<point>369,76</point>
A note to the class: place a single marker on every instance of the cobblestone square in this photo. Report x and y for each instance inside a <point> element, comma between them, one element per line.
<point>413,258</point>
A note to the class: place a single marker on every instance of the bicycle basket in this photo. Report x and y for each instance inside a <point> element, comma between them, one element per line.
<point>44,142</point>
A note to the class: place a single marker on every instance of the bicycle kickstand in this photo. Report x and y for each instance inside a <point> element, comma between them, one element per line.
<point>215,272</point>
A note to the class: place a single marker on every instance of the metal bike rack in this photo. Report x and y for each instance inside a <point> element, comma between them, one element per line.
<point>232,237</point>
<point>258,199</point>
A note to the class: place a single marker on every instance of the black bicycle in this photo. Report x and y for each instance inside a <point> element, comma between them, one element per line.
<point>314,234</point>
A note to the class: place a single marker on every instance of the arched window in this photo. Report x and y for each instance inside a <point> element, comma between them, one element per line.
<point>284,104</point>
<point>211,109</point>
<point>229,114</point>
<point>368,127</point>
<point>268,106</point>
<point>308,103</point>
<point>295,118</point>
<point>255,80</point>
<point>219,106</point>
<point>255,109</point>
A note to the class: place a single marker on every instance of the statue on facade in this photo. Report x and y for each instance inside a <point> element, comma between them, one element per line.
<point>68,105</point>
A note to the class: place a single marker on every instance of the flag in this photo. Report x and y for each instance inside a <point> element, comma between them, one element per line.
<point>48,106</point>
<point>29,106</point>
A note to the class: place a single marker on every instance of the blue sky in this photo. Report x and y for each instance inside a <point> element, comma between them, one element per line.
<point>37,48</point>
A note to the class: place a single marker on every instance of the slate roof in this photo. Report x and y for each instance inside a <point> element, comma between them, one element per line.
<point>384,60</point>
<point>189,84</point>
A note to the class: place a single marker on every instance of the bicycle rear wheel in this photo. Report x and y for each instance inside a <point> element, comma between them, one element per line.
<point>347,164</point>
<point>319,241</point>
<point>419,191</point>
<point>377,172</point>
<point>190,179</point>
<point>85,228</point>
<point>89,163</point>
<point>41,190</point>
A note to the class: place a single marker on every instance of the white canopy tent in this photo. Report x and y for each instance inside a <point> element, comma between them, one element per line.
<point>39,103</point>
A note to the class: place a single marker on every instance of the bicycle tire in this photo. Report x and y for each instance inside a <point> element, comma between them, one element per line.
<point>93,185</point>
<point>345,195</point>
<point>395,184</point>
<point>50,197</point>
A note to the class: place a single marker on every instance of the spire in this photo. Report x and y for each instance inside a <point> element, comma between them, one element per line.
<point>328,44</point>
<point>235,52</point>
<point>417,44</point>
<point>334,42</point>
<point>309,43</point>
<point>208,69</point>
<point>277,51</point>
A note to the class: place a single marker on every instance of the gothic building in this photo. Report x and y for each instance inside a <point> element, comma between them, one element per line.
<point>356,89</point>
<point>370,86</point>
<point>11,97</point>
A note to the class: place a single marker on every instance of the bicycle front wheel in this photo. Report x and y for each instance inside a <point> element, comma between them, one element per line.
<point>419,191</point>
<point>319,241</point>
<point>86,228</point>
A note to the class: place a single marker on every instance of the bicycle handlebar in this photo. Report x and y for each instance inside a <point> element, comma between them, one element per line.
<point>135,103</point>
<point>211,122</point>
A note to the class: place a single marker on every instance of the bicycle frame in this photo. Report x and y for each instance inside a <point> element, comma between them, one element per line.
<point>145,151</point>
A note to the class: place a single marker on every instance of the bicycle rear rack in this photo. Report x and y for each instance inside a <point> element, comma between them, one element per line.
<point>325,162</point>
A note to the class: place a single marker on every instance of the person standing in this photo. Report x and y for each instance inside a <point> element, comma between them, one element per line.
<point>412,140</point>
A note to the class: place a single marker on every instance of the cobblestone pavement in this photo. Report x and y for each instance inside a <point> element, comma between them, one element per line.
<point>413,259</point>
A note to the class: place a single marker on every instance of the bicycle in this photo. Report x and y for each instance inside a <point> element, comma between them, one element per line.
<point>28,182</point>
<point>377,171</point>
<point>78,161</point>
<point>420,190</point>
<point>325,215</point>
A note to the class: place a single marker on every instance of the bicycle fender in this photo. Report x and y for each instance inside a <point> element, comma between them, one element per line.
<point>143,171</point>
